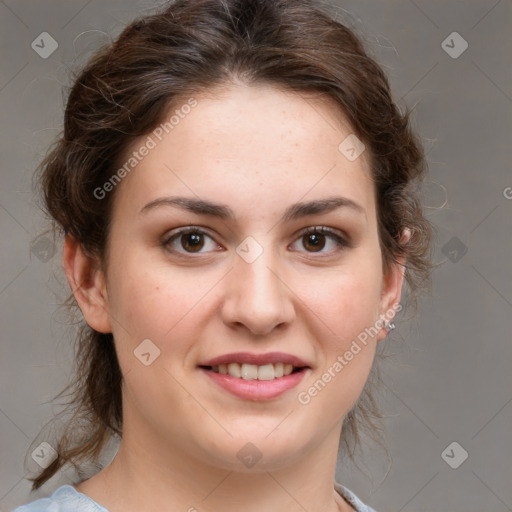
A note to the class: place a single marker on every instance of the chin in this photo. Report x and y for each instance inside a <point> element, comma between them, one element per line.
<point>250,459</point>
<point>256,451</point>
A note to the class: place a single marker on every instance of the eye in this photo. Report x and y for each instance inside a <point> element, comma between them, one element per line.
<point>318,238</point>
<point>191,240</point>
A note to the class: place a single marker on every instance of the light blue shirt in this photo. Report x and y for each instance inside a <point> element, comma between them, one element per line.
<point>67,499</point>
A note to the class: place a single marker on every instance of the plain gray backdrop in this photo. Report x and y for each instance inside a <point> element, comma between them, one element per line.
<point>450,380</point>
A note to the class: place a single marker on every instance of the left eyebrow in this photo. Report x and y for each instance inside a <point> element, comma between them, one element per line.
<point>293,212</point>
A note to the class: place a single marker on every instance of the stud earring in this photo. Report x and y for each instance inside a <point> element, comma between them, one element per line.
<point>389,327</point>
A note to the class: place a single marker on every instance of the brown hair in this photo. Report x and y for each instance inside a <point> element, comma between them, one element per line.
<point>193,46</point>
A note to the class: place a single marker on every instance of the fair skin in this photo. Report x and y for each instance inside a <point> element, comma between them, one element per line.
<point>256,150</point>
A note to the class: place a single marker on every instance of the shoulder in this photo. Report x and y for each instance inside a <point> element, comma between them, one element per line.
<point>349,496</point>
<point>64,499</point>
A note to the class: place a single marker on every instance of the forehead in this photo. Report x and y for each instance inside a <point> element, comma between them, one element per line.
<point>242,142</point>
<point>260,117</point>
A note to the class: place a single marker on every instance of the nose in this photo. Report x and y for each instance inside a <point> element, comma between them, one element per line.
<point>257,296</point>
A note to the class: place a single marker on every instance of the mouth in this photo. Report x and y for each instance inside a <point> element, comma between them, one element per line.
<point>255,376</point>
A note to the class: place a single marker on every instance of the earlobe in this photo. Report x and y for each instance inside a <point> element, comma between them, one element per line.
<point>87,282</point>
<point>392,288</point>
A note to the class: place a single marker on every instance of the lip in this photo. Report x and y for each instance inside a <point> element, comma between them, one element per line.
<point>258,359</point>
<point>255,390</point>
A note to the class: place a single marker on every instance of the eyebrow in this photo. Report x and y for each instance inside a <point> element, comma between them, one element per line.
<point>293,212</point>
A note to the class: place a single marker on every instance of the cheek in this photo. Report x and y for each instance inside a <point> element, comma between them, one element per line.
<point>144,298</point>
<point>138,307</point>
<point>348,309</point>
<point>348,301</point>
<point>151,300</point>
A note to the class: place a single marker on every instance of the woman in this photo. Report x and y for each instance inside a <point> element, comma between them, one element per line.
<point>238,197</point>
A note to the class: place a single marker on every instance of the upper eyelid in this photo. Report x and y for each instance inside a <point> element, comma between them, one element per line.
<point>185,231</point>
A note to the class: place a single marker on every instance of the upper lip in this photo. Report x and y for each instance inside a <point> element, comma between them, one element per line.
<point>257,359</point>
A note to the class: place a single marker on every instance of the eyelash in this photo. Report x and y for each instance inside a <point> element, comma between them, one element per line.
<point>316,230</point>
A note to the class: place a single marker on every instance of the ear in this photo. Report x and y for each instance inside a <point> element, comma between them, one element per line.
<point>87,282</point>
<point>392,287</point>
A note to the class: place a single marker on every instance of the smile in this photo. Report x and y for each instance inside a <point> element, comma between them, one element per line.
<point>255,376</point>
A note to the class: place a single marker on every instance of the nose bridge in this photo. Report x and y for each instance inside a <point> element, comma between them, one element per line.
<point>260,281</point>
<point>257,297</point>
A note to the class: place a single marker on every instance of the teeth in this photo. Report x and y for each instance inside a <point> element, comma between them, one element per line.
<point>253,371</point>
<point>266,372</point>
<point>249,372</point>
<point>234,370</point>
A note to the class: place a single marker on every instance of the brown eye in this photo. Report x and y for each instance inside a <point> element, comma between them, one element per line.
<point>189,241</point>
<point>316,239</point>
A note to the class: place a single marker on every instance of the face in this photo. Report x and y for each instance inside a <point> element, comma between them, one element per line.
<point>243,247</point>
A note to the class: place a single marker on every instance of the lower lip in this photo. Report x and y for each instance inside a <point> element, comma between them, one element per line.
<point>256,389</point>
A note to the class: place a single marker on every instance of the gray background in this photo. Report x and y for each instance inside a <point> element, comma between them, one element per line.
<point>450,378</point>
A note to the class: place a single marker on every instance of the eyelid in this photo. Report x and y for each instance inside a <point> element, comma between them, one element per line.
<point>173,233</point>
